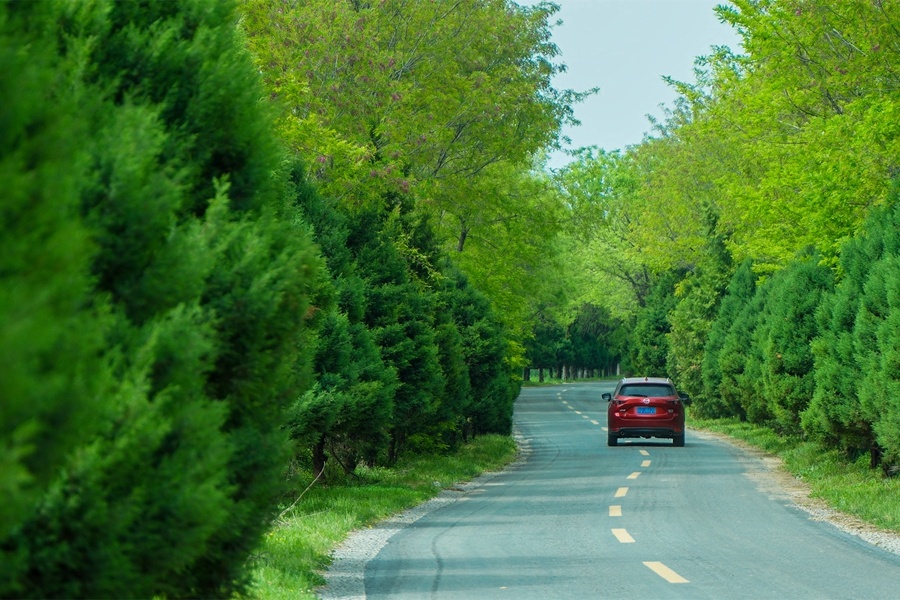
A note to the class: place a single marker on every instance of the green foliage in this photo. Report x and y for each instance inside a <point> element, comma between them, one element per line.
<point>803,122</point>
<point>875,329</point>
<point>544,348</point>
<point>649,344</point>
<point>877,338</point>
<point>413,358</point>
<point>445,105</point>
<point>740,389</point>
<point>849,344</point>
<point>54,377</point>
<point>716,400</point>
<point>789,326</point>
<point>382,97</point>
<point>692,318</point>
<point>593,340</point>
<point>178,333</point>
<point>607,244</point>
<point>596,339</point>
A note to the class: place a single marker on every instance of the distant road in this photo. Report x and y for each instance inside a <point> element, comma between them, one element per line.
<point>579,519</point>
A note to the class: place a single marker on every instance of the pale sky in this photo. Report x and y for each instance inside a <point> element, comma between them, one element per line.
<point>625,47</point>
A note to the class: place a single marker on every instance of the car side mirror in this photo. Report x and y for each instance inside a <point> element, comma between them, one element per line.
<point>606,396</point>
<point>685,399</point>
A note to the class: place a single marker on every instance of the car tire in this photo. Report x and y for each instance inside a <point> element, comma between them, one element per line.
<point>612,440</point>
<point>678,441</point>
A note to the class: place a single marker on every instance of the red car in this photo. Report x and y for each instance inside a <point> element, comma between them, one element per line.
<point>645,407</point>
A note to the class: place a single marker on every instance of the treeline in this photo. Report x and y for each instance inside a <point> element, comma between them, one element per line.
<point>586,343</point>
<point>814,357</point>
<point>196,292</point>
<point>750,246</point>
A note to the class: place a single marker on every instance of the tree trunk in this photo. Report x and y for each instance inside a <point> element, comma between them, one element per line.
<point>461,242</point>
<point>318,455</point>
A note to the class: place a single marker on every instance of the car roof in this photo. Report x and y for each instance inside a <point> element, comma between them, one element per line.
<point>645,380</point>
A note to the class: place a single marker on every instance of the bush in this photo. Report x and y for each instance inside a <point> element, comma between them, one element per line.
<point>855,339</point>
<point>712,402</point>
<point>180,327</point>
<point>795,294</point>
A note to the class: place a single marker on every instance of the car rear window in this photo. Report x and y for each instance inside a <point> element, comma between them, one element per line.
<point>647,389</point>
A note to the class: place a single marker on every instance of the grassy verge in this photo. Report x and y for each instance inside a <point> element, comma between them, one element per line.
<point>554,381</point>
<point>849,486</point>
<point>296,551</point>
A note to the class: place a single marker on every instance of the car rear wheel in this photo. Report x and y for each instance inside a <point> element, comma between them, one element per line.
<point>612,440</point>
<point>678,441</point>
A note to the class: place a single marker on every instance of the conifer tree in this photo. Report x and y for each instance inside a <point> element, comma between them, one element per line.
<point>874,267</point>
<point>740,291</point>
<point>649,344</point>
<point>54,376</point>
<point>208,276</point>
<point>790,316</point>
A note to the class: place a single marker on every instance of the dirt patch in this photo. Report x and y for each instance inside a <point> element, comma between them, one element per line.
<point>771,477</point>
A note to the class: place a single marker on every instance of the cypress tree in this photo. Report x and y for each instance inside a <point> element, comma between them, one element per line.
<point>54,376</point>
<point>795,296</point>
<point>743,360</point>
<point>848,345</point>
<point>875,335</point>
<point>208,277</point>
<point>349,413</point>
<point>739,292</point>
<point>649,344</point>
<point>699,294</point>
<point>485,349</point>
<point>739,362</point>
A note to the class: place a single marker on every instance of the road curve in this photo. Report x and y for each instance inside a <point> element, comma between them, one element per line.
<point>578,519</point>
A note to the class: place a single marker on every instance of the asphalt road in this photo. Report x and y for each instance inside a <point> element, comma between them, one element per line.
<point>578,519</point>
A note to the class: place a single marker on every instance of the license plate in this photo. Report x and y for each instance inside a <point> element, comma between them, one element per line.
<point>646,410</point>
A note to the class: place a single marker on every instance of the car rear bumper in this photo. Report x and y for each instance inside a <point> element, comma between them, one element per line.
<point>646,432</point>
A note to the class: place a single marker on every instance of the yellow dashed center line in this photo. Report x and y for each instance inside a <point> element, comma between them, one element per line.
<point>664,571</point>
<point>645,453</point>
<point>604,429</point>
<point>634,475</point>
<point>594,422</point>
<point>646,463</point>
<point>620,493</point>
<point>615,511</point>
<point>577,412</point>
<point>623,536</point>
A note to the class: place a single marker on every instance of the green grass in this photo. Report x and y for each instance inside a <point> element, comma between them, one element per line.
<point>297,550</point>
<point>847,485</point>
<point>555,381</point>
